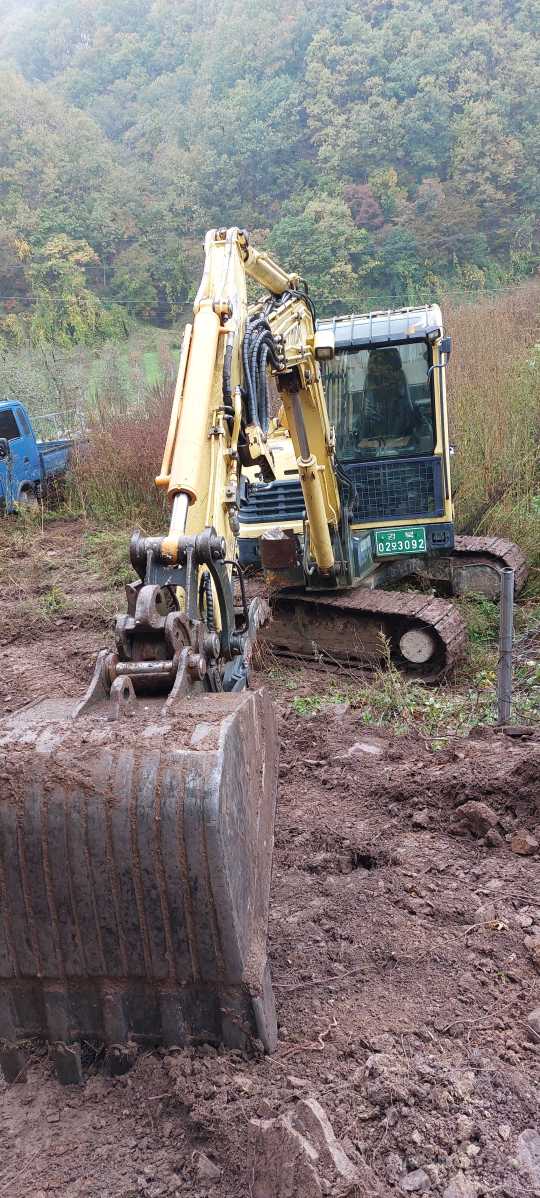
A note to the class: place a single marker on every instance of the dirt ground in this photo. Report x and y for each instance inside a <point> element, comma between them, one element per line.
<point>405,949</point>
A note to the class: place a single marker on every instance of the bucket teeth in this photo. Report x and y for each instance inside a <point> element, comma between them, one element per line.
<point>67,1063</point>
<point>13,1063</point>
<point>135,864</point>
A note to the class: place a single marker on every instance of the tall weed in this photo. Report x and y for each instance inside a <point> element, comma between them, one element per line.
<point>113,475</point>
<point>494,412</point>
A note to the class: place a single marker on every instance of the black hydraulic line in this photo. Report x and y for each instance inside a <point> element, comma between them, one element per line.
<point>206,594</point>
<point>346,482</point>
<point>253,353</point>
<point>250,388</point>
<point>255,374</point>
<point>227,372</point>
<point>258,335</point>
<point>250,395</point>
<point>263,389</point>
<point>303,295</point>
<point>239,571</point>
<point>227,382</point>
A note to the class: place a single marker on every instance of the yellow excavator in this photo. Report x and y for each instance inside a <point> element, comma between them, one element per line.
<point>136,826</point>
<point>372,422</point>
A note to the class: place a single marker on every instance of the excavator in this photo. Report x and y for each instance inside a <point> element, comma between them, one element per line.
<point>136,825</point>
<point>380,441</point>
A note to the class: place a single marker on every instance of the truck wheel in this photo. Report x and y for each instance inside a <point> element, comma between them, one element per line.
<point>28,500</point>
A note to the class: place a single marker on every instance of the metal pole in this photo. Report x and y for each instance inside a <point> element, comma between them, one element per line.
<point>506,636</point>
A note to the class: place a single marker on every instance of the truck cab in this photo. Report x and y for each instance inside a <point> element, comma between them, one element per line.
<point>26,464</point>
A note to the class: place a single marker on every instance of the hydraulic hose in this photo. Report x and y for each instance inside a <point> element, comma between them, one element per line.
<point>258,347</point>
<point>206,594</point>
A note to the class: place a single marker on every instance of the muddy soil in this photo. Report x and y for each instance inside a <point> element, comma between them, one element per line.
<point>405,948</point>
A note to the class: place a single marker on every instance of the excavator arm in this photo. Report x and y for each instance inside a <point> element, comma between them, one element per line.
<point>220,414</point>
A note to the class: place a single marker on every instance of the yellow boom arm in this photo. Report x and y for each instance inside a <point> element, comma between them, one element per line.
<point>210,434</point>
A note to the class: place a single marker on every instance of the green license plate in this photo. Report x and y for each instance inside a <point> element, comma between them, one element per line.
<point>399,540</point>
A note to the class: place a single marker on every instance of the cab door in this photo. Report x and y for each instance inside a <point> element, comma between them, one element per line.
<point>19,461</point>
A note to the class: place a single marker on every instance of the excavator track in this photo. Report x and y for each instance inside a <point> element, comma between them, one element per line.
<point>477,552</point>
<point>352,628</point>
<point>348,627</point>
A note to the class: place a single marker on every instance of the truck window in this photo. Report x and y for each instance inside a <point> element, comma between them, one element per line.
<point>8,425</point>
<point>21,416</point>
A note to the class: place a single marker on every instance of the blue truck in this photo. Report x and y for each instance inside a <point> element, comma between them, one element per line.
<point>27,466</point>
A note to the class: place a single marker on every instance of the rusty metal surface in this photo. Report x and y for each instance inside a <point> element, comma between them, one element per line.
<point>396,613</point>
<point>494,551</point>
<point>135,863</point>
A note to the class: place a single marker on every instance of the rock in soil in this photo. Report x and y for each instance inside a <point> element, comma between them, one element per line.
<point>461,1187</point>
<point>297,1156</point>
<point>475,817</point>
<point>532,943</point>
<point>528,1155</point>
<point>464,1127</point>
<point>533,1024</point>
<point>206,1169</point>
<point>524,843</point>
<point>416,1182</point>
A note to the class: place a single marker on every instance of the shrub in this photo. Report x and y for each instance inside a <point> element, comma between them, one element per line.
<point>114,471</point>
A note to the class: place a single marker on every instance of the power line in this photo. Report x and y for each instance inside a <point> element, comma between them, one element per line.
<point>375,297</point>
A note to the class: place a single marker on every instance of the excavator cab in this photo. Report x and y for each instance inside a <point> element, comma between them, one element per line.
<point>367,459</point>
<point>385,391</point>
<point>385,395</point>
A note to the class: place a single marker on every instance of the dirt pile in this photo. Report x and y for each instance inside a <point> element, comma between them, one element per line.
<point>404,967</point>
<point>405,952</point>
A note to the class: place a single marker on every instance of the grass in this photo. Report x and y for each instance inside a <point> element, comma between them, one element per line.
<point>48,572</point>
<point>494,414</point>
<point>387,699</point>
<point>54,602</point>
<point>107,553</point>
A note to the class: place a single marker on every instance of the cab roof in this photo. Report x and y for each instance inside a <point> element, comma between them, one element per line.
<point>385,328</point>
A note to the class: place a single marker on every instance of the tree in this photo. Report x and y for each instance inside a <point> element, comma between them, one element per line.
<point>134,125</point>
<point>322,243</point>
<point>65,311</point>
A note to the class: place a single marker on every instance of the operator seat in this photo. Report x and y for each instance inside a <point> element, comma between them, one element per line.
<point>389,410</point>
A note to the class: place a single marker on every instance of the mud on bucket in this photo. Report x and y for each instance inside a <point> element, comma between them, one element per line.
<point>135,866</point>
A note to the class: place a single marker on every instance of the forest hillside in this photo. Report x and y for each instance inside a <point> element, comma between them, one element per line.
<point>389,151</point>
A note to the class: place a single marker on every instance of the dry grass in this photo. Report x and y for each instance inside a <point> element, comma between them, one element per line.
<point>113,476</point>
<point>494,409</point>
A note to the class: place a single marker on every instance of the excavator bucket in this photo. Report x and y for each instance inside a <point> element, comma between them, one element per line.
<point>135,863</point>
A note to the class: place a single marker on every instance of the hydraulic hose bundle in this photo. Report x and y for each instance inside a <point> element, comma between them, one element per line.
<point>258,349</point>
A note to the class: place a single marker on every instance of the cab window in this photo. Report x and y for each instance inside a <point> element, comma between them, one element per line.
<point>8,425</point>
<point>380,401</point>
